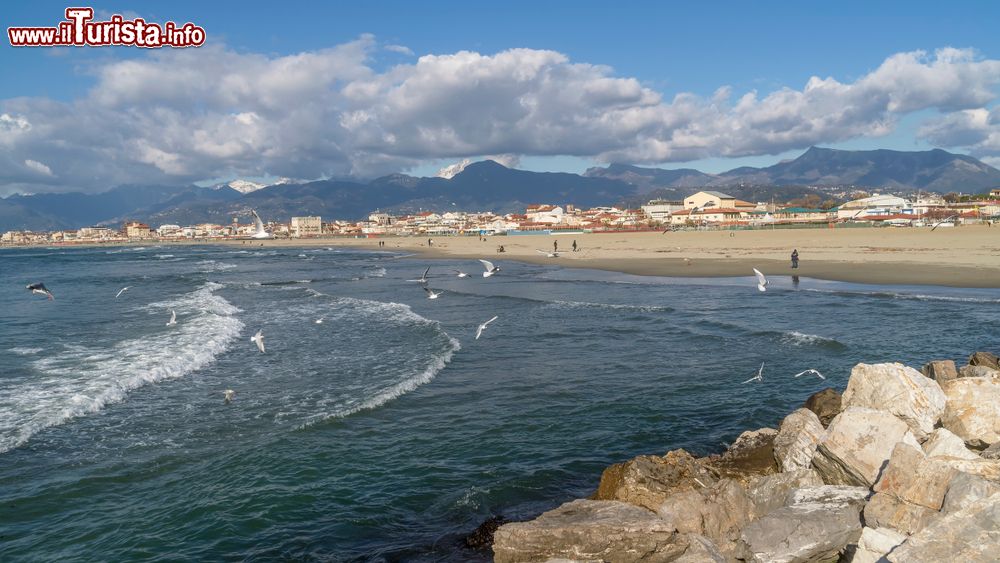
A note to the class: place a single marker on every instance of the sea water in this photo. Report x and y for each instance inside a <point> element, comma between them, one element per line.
<point>387,431</point>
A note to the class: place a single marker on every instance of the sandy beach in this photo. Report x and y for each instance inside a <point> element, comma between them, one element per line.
<point>967,256</point>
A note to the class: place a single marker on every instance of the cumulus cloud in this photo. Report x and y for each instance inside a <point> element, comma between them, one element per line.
<point>976,130</point>
<point>187,115</point>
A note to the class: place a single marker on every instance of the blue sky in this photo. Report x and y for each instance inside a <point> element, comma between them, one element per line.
<point>669,48</point>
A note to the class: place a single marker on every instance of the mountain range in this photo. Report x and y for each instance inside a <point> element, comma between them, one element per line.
<point>487,185</point>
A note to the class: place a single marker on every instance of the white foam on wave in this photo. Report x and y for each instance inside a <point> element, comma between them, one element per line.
<point>82,380</point>
<point>377,272</point>
<point>796,338</point>
<point>613,306</point>
<point>25,351</point>
<point>387,312</point>
<point>214,266</point>
<point>908,296</point>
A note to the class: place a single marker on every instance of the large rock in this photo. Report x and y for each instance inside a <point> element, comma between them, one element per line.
<point>992,452</point>
<point>910,491</point>
<point>826,404</point>
<point>769,492</point>
<point>988,469</point>
<point>969,535</point>
<point>796,441</point>
<point>590,530</point>
<point>857,444</point>
<point>752,453</point>
<point>940,370</point>
<point>647,481</point>
<point>984,359</point>
<point>816,525</point>
<point>900,390</point>
<point>718,513</point>
<point>875,543</point>
<point>943,443</point>
<point>701,550</point>
<point>966,489</point>
<point>973,410</point>
<point>978,371</point>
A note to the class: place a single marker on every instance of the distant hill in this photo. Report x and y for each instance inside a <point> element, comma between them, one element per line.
<point>935,170</point>
<point>488,185</point>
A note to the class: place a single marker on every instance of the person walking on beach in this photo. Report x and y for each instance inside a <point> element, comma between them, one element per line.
<point>574,245</point>
<point>555,246</point>
<point>795,258</point>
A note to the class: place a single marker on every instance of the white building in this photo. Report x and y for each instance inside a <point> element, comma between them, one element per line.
<point>874,205</point>
<point>661,209</point>
<point>709,199</point>
<point>307,227</point>
<point>549,214</point>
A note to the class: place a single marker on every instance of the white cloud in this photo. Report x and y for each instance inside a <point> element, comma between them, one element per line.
<point>401,49</point>
<point>38,167</point>
<point>976,130</point>
<point>187,115</point>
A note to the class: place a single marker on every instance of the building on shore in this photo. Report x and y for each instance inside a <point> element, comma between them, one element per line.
<point>659,210</point>
<point>136,230</point>
<point>306,227</point>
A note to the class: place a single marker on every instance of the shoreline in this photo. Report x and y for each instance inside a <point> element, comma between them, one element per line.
<point>961,257</point>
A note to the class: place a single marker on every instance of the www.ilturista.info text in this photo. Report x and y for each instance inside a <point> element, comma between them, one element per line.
<point>79,30</point>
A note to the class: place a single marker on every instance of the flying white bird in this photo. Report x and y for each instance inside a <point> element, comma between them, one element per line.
<point>812,371</point>
<point>431,294</point>
<point>228,395</point>
<point>319,321</point>
<point>490,268</point>
<point>482,327</point>
<point>258,227</point>
<point>759,376</point>
<point>258,339</point>
<point>122,290</point>
<point>461,274</point>
<point>547,253</point>
<point>173,318</point>
<point>40,289</point>
<point>761,280</point>
<point>945,220</point>
<point>422,279</point>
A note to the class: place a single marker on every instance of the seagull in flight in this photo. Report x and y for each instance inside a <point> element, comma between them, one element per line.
<point>547,253</point>
<point>258,339</point>
<point>228,395</point>
<point>422,279</point>
<point>173,318</point>
<point>490,268</point>
<point>431,294</point>
<point>461,274</point>
<point>482,327</point>
<point>40,289</point>
<point>122,290</point>
<point>761,280</point>
<point>945,220</point>
<point>319,321</point>
<point>812,371</point>
<point>759,376</point>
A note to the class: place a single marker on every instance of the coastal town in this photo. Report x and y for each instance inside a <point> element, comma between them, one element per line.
<point>702,210</point>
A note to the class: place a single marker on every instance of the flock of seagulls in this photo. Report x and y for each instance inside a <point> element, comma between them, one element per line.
<point>490,269</point>
<point>759,377</point>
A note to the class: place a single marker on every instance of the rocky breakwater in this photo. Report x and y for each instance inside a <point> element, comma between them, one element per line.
<point>904,466</point>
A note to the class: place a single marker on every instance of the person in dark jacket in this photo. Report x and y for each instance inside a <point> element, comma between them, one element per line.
<point>795,258</point>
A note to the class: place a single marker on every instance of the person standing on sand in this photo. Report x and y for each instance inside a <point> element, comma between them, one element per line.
<point>795,258</point>
<point>574,245</point>
<point>555,246</point>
